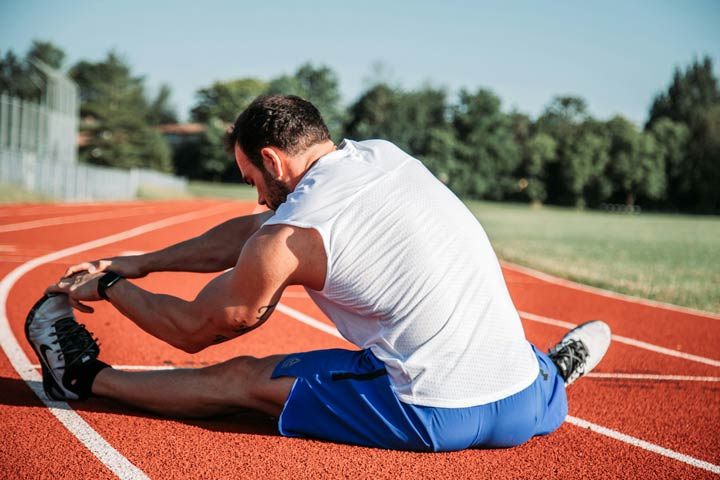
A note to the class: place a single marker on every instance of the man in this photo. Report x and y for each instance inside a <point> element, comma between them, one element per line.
<point>392,257</point>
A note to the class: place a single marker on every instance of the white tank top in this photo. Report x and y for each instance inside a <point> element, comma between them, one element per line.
<point>411,275</point>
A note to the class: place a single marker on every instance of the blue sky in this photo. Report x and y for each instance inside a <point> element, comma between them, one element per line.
<point>616,54</point>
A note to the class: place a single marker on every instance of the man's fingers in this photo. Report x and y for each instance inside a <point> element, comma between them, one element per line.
<point>80,267</point>
<point>55,289</point>
<point>81,306</point>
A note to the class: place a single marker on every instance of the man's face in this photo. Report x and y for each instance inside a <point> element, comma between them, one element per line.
<point>271,191</point>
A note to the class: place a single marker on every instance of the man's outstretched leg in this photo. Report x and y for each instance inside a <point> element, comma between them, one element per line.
<point>72,371</point>
<point>225,388</point>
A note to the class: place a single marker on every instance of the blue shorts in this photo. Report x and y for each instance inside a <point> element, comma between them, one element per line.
<point>346,396</point>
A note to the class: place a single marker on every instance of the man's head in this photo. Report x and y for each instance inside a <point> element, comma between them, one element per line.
<point>272,129</point>
<point>286,122</point>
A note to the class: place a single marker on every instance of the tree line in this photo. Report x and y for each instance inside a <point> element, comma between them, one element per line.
<point>564,156</point>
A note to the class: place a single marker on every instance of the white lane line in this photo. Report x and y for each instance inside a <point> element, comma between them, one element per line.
<point>643,444</point>
<point>607,293</point>
<point>626,340</point>
<point>574,420</point>
<point>83,217</point>
<point>308,320</point>
<point>92,440</point>
<point>650,376</point>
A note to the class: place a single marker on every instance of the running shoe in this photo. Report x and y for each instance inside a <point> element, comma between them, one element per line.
<point>63,346</point>
<point>581,349</point>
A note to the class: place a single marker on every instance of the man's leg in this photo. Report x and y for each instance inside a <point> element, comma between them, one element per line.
<point>225,388</point>
<point>71,370</point>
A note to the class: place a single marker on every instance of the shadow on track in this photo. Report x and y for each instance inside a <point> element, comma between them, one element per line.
<point>15,393</point>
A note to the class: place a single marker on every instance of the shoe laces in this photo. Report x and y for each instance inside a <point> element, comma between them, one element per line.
<point>570,357</point>
<point>74,341</point>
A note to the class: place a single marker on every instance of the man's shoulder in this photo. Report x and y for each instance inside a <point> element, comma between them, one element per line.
<point>376,144</point>
<point>282,235</point>
<point>288,247</point>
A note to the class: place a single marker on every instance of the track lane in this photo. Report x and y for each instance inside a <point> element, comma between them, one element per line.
<point>246,451</point>
<point>20,363</point>
<point>685,332</point>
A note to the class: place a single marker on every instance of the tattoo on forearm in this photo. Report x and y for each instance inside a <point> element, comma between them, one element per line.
<point>263,314</point>
<point>243,330</point>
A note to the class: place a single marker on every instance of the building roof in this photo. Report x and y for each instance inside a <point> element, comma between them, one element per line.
<point>181,128</point>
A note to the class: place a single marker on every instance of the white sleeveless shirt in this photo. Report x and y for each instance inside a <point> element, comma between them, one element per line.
<point>411,275</point>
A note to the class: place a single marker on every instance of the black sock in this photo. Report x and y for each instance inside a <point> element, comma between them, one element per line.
<point>80,378</point>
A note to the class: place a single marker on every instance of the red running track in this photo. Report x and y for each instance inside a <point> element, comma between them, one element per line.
<point>650,411</point>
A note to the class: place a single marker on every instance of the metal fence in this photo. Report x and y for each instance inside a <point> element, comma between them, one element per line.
<point>32,127</point>
<point>77,181</point>
<point>38,149</point>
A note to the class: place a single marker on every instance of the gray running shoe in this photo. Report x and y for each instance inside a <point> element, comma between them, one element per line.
<point>581,349</point>
<point>61,344</point>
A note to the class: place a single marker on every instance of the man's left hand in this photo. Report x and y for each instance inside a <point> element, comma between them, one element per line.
<point>79,287</point>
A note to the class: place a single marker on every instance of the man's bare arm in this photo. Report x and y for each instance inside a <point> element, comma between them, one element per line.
<point>215,250</point>
<point>234,303</point>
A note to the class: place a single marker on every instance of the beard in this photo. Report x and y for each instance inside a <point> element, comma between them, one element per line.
<point>277,191</point>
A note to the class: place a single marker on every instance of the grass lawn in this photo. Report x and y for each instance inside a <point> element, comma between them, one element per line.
<point>196,189</point>
<point>15,194</point>
<point>238,191</point>
<point>670,258</point>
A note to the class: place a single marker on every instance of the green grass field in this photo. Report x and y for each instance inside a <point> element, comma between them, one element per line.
<point>670,258</point>
<point>15,194</point>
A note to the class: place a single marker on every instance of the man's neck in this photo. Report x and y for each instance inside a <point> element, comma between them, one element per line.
<point>306,159</point>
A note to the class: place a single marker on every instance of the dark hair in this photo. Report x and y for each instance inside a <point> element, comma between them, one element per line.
<point>286,122</point>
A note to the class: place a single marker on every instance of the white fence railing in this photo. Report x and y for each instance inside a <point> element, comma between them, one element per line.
<point>77,181</point>
<point>32,127</point>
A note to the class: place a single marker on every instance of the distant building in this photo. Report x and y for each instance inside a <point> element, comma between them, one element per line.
<point>177,133</point>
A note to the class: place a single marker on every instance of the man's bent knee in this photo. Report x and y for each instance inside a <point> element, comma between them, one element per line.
<point>246,382</point>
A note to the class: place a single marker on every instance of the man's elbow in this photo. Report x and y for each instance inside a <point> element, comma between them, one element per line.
<point>189,344</point>
<point>193,338</point>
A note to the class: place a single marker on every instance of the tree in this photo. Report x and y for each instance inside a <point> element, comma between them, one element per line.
<point>564,120</point>
<point>115,111</point>
<point>204,157</point>
<point>637,165</point>
<point>706,153</point>
<point>225,100</point>
<point>586,158</point>
<point>487,150</point>
<point>318,85</point>
<point>692,99</point>
<point>562,117</point>
<point>19,77</point>
<point>160,111</point>
<point>541,150</point>
<point>14,79</point>
<point>416,121</point>
<point>671,139</point>
<point>216,108</point>
<point>691,93</point>
<point>47,53</point>
<point>370,116</point>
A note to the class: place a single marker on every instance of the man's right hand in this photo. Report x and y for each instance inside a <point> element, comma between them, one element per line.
<point>128,267</point>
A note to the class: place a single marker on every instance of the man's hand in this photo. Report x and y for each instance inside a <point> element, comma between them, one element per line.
<point>128,267</point>
<point>79,287</point>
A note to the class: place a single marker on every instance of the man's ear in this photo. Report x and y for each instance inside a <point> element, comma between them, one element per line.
<point>274,161</point>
